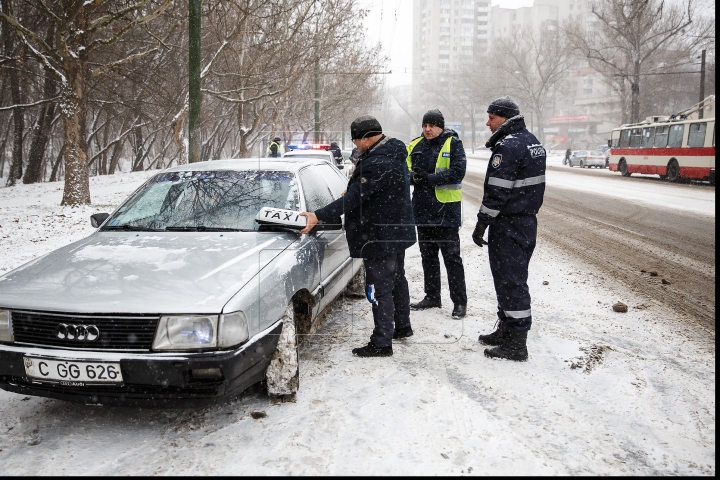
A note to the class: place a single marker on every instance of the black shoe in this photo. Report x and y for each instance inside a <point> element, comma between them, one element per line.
<point>459,311</point>
<point>370,350</point>
<point>401,333</point>
<point>425,303</point>
<point>495,338</point>
<point>514,348</point>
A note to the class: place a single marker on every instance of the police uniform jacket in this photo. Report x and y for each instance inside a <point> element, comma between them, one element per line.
<point>515,178</point>
<point>427,209</point>
<point>378,215</point>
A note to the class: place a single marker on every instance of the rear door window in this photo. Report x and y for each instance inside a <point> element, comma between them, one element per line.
<point>696,135</point>
<point>635,137</point>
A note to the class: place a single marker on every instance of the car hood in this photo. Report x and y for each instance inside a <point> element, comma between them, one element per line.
<point>138,272</point>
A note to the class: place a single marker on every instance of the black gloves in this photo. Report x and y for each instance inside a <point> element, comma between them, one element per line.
<point>420,178</point>
<point>479,233</point>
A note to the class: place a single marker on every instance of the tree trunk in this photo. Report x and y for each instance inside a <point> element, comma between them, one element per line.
<point>41,133</point>
<point>137,164</point>
<point>56,165</point>
<point>74,109</point>
<point>12,50</point>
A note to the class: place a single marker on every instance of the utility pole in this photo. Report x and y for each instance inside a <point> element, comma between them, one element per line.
<point>317,100</point>
<point>194,139</point>
<point>701,110</point>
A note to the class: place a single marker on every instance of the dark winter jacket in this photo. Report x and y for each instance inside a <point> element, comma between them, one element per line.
<point>515,178</point>
<point>428,211</point>
<point>378,213</point>
<point>337,154</point>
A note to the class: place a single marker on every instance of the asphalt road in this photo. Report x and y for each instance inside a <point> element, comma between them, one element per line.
<point>666,255</point>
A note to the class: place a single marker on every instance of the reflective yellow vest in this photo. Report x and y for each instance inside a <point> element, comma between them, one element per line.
<point>444,193</point>
<point>270,148</point>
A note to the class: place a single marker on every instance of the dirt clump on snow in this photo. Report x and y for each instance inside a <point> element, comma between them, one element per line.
<point>620,307</point>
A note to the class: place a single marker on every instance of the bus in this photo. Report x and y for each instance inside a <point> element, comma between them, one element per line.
<point>675,148</point>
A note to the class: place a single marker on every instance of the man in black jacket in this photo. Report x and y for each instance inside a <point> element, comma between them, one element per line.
<point>437,164</point>
<point>514,190</point>
<point>379,228</point>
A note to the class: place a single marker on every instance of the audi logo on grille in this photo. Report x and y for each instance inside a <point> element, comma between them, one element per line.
<point>77,333</point>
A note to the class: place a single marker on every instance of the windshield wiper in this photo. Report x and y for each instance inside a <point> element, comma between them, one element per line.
<point>203,228</point>
<point>130,228</point>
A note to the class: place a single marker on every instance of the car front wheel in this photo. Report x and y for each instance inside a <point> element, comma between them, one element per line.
<point>283,373</point>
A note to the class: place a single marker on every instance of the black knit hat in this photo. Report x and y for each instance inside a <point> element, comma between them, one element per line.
<point>276,139</point>
<point>434,117</point>
<point>365,126</point>
<point>504,107</point>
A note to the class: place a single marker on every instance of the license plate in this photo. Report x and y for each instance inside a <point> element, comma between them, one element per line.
<point>73,374</point>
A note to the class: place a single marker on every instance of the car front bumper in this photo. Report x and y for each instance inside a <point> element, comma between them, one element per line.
<point>149,379</point>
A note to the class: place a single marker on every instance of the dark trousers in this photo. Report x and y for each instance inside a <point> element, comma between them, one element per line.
<point>511,241</point>
<point>387,290</point>
<point>433,240</point>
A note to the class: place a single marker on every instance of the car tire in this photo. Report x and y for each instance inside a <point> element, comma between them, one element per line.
<point>283,374</point>
<point>356,287</point>
<point>673,171</point>
<point>622,167</point>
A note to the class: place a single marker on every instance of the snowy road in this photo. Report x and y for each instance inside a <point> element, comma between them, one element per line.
<point>629,227</point>
<point>603,393</point>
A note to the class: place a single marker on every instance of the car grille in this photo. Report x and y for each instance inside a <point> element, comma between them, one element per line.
<point>116,332</point>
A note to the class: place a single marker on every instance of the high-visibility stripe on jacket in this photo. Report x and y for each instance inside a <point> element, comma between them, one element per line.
<point>444,193</point>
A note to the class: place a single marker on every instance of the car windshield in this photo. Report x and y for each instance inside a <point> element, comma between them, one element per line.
<point>206,201</point>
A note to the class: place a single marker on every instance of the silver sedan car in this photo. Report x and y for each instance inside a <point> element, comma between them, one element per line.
<point>195,288</point>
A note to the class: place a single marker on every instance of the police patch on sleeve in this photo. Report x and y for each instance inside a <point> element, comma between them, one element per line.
<point>496,160</point>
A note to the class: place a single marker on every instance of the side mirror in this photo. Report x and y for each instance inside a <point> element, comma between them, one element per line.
<point>98,219</point>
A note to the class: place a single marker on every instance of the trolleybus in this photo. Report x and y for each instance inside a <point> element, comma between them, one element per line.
<point>674,148</point>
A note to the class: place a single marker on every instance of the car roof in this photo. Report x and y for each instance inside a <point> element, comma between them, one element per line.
<point>293,164</point>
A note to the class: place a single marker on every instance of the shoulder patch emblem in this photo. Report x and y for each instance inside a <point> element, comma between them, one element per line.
<point>496,160</point>
<point>363,180</point>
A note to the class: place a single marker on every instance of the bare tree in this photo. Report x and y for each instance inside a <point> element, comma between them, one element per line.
<point>534,65</point>
<point>629,33</point>
<point>81,29</point>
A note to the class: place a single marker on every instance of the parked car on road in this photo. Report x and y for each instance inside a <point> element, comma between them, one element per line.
<point>587,159</point>
<point>324,154</point>
<point>195,288</point>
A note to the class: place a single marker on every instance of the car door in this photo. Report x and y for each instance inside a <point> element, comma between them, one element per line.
<point>332,244</point>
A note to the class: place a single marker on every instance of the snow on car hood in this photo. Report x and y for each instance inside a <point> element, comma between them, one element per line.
<point>138,272</point>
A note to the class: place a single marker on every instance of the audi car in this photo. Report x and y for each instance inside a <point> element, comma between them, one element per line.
<point>195,288</point>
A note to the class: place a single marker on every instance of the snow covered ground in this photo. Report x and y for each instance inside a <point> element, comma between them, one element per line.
<point>603,393</point>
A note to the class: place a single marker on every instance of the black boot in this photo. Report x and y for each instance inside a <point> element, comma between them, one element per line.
<point>459,311</point>
<point>495,338</point>
<point>400,333</point>
<point>514,348</point>
<point>370,350</point>
<point>425,303</point>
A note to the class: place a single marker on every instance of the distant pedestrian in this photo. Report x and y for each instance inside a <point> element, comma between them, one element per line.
<point>567,157</point>
<point>437,164</point>
<point>514,190</point>
<point>274,148</point>
<point>337,153</point>
<point>379,228</point>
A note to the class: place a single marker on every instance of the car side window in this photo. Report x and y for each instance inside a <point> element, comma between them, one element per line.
<point>317,194</point>
<point>335,180</point>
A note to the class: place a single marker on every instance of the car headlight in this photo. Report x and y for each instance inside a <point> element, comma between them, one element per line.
<point>233,329</point>
<point>186,332</point>
<point>6,332</point>
<point>194,332</point>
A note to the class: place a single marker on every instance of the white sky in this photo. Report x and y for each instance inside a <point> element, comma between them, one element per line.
<point>390,22</point>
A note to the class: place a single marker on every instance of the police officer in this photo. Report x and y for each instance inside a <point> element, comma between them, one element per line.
<point>337,153</point>
<point>379,228</point>
<point>514,189</point>
<point>274,148</point>
<point>437,162</point>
